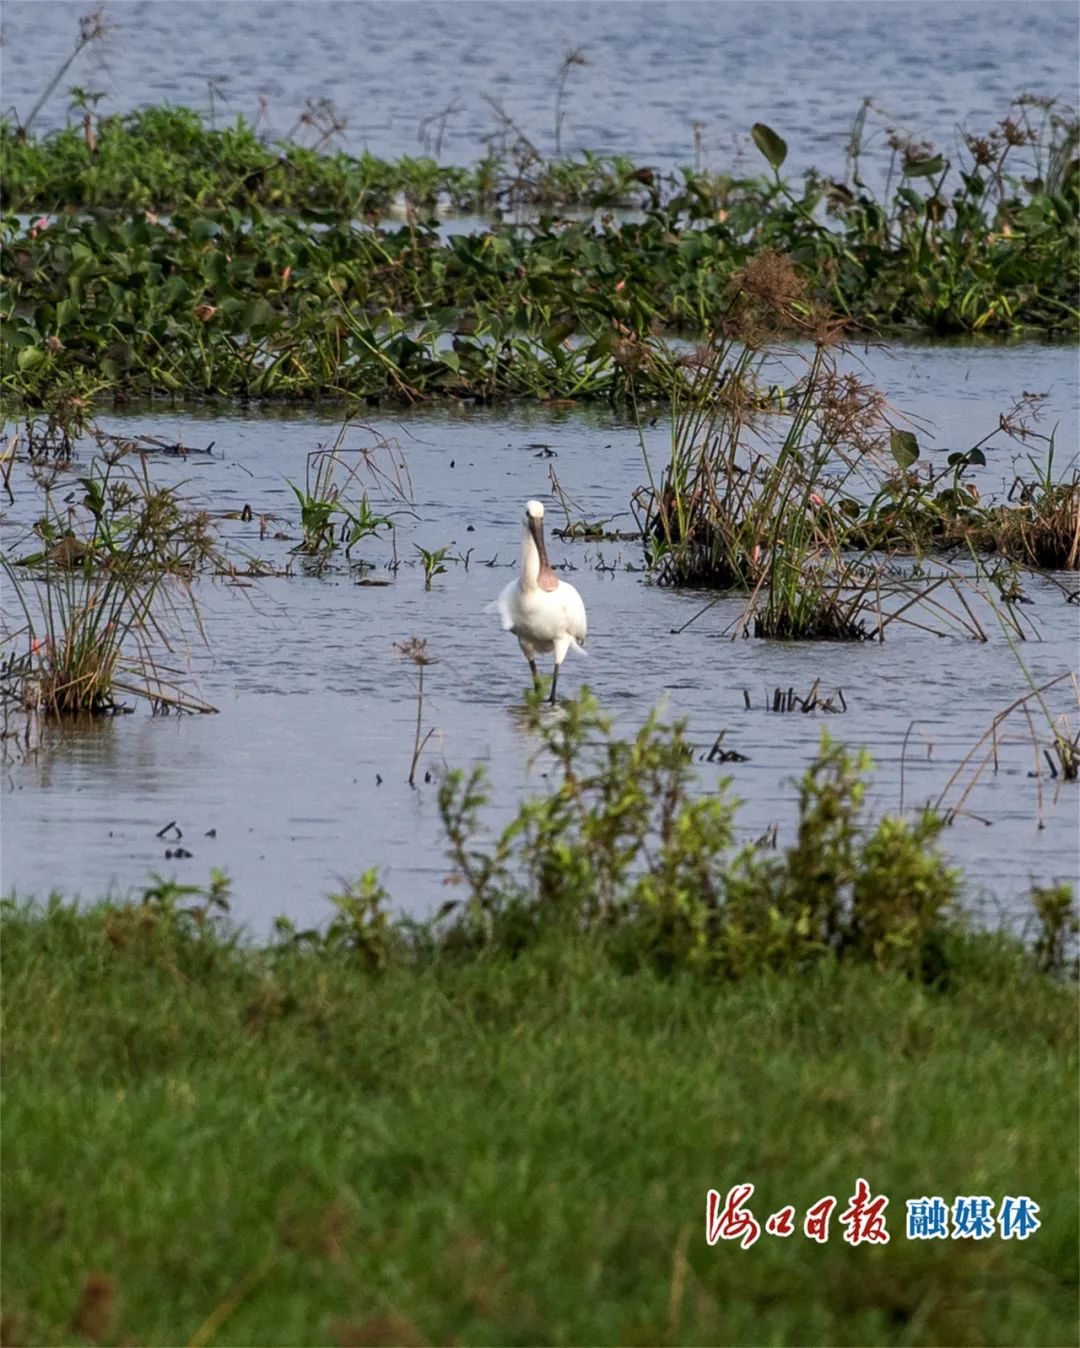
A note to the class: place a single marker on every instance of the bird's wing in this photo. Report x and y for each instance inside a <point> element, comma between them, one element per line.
<point>576,622</point>
<point>502,606</point>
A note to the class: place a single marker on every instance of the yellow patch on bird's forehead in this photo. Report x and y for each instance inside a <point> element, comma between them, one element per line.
<point>534,510</point>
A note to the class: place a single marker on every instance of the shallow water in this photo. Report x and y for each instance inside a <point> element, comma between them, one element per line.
<point>315,704</point>
<point>654,69</point>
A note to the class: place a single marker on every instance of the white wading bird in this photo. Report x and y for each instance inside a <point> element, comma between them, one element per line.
<point>544,613</point>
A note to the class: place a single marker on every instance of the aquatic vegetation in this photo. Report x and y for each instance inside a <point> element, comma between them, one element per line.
<point>1037,525</point>
<point>432,562</point>
<point>221,293</point>
<point>803,496</point>
<point>816,598</point>
<point>787,700</point>
<point>756,493</point>
<point>105,596</point>
<point>334,508</point>
<point>1043,530</point>
<point>326,517</point>
<point>167,158</point>
<point>264,309</point>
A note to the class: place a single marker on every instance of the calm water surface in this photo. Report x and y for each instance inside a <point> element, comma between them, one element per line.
<point>316,706</point>
<point>654,69</point>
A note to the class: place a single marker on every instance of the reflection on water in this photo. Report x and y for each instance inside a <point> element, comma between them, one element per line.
<point>300,781</point>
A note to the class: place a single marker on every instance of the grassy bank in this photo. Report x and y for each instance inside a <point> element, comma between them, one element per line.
<point>205,1143</point>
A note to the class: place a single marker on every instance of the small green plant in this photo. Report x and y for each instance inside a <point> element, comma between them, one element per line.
<point>327,515</point>
<point>316,521</point>
<point>187,918</point>
<point>327,520</point>
<point>361,522</point>
<point>1059,924</point>
<point>174,899</point>
<point>433,563</point>
<point>361,927</point>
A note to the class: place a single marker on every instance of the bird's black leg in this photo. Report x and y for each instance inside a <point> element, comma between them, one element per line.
<point>535,673</point>
<point>554,681</point>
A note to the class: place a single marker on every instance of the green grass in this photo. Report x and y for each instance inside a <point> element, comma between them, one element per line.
<point>514,1151</point>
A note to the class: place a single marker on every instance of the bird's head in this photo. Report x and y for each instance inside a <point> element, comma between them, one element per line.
<point>534,510</point>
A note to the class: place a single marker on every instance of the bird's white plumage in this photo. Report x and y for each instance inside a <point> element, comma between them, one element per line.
<point>543,618</point>
<point>546,615</point>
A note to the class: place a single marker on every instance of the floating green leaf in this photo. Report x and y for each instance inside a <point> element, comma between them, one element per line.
<point>769,143</point>
<point>924,168</point>
<point>904,446</point>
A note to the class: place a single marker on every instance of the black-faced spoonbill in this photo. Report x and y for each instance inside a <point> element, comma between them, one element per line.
<point>544,613</point>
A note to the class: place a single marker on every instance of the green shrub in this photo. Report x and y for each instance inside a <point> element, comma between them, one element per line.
<point>627,846</point>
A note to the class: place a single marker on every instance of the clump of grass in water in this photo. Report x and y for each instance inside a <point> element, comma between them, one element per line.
<point>330,512</point>
<point>1037,526</point>
<point>733,510</point>
<point>805,601</point>
<point>1043,530</point>
<point>108,590</point>
<point>760,492</point>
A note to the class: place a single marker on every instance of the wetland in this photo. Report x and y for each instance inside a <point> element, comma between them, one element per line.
<point>351,994</point>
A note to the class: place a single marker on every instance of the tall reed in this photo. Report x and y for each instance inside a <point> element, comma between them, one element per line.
<point>756,492</point>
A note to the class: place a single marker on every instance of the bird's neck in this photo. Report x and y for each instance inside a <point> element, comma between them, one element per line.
<point>536,572</point>
<point>530,561</point>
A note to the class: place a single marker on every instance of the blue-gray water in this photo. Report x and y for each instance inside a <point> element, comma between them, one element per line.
<point>653,69</point>
<point>316,705</point>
